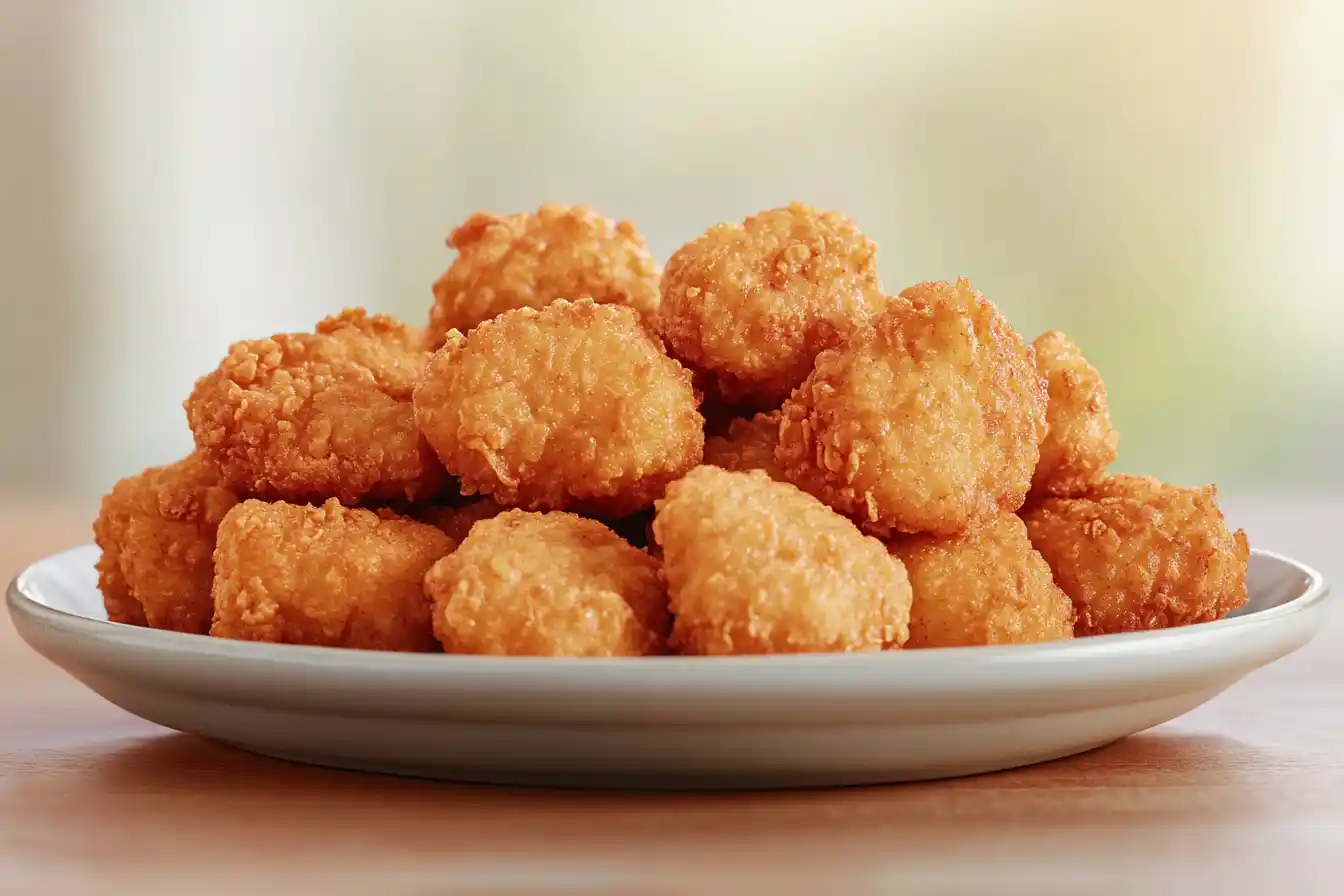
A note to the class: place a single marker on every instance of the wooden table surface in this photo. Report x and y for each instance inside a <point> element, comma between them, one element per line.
<point>1245,794</point>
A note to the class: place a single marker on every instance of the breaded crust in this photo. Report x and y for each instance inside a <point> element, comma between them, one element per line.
<point>528,260</point>
<point>1080,442</point>
<point>157,532</point>
<point>757,566</point>
<point>990,587</point>
<point>1135,554</point>
<point>307,416</point>
<point>929,421</point>
<point>327,576</point>
<point>575,406</point>
<point>548,584</point>
<point>750,444</point>
<point>750,305</point>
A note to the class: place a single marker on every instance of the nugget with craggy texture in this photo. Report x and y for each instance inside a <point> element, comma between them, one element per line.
<point>758,566</point>
<point>750,305</point>
<point>575,406</point>
<point>929,421</point>
<point>307,416</point>
<point>528,260</point>
<point>989,587</point>
<point>548,584</point>
<point>749,444</point>
<point>1080,442</point>
<point>1135,554</point>
<point>157,533</point>
<point>327,576</point>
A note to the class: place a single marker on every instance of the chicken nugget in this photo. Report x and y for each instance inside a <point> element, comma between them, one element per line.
<point>751,304</point>
<point>750,445</point>
<point>990,587</point>
<point>306,416</point>
<point>1080,442</point>
<point>327,576</point>
<point>157,532</point>
<point>1136,554</point>
<point>528,260</point>
<point>456,522</point>
<point>929,421</point>
<point>548,584</point>
<point>758,566</point>
<point>575,406</point>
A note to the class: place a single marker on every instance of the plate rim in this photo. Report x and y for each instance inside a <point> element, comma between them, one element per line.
<point>113,634</point>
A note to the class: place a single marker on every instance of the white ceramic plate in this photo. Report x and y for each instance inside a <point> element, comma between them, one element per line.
<point>673,722</point>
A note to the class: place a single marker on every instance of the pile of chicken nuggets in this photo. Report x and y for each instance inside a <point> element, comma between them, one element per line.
<point>752,449</point>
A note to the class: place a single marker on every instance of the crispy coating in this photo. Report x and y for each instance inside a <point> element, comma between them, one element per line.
<point>326,576</point>
<point>157,532</point>
<point>528,260</point>
<point>929,421</point>
<point>456,522</point>
<point>1080,442</point>
<point>548,584</point>
<point>575,406</point>
<point>989,587</point>
<point>757,566</point>
<point>306,416</point>
<point>752,304</point>
<point>748,445</point>
<point>1136,554</point>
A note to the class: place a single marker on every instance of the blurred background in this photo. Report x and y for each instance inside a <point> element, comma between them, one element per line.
<point>1162,180</point>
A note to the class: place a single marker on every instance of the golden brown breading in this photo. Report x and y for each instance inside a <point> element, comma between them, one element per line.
<point>927,422</point>
<point>327,576</point>
<point>1136,554</point>
<point>750,445</point>
<point>306,416</point>
<point>1080,442</point>
<point>528,260</point>
<point>990,587</point>
<point>752,304</point>
<point>757,566</point>
<point>157,532</point>
<point>548,584</point>
<point>575,406</point>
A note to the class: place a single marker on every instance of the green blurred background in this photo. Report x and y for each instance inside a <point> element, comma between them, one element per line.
<point>1160,180</point>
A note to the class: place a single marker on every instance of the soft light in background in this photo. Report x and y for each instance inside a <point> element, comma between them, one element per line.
<point>1162,180</point>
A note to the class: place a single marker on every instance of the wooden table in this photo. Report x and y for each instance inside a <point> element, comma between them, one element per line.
<point>1244,795</point>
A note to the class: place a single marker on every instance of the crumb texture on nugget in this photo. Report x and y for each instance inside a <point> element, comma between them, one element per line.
<point>929,421</point>
<point>757,566</point>
<point>989,587</point>
<point>326,576</point>
<point>1080,442</point>
<point>548,584</point>
<point>750,305</point>
<point>157,533</point>
<point>306,416</point>
<point>750,444</point>
<point>529,260</point>
<point>1135,554</point>
<point>575,406</point>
